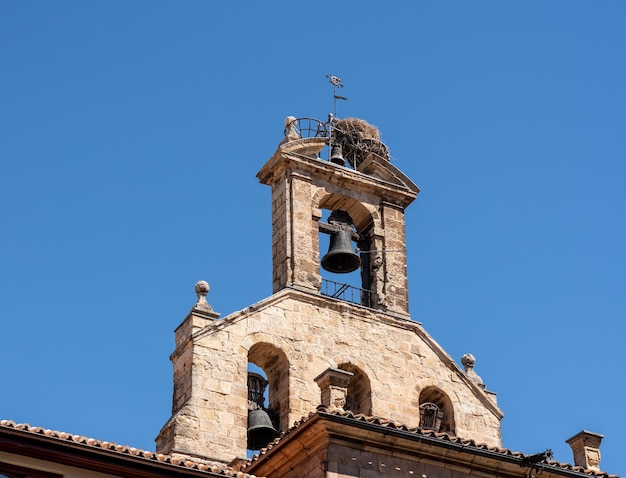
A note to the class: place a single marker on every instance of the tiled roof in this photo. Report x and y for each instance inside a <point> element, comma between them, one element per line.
<point>443,437</point>
<point>177,461</point>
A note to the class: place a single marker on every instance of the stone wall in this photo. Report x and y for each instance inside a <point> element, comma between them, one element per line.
<point>294,336</point>
<point>371,463</point>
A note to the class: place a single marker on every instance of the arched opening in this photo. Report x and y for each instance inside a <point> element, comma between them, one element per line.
<point>262,421</point>
<point>359,393</point>
<point>270,362</point>
<point>345,250</point>
<point>436,411</point>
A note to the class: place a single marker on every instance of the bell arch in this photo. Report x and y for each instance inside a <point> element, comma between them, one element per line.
<point>359,392</point>
<point>374,195</point>
<point>349,223</point>
<point>363,214</point>
<point>436,410</point>
<point>274,363</point>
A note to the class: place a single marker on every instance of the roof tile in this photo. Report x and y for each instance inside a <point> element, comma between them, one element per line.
<point>423,432</point>
<point>178,460</point>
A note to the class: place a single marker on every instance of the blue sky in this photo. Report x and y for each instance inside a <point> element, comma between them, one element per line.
<point>131,133</point>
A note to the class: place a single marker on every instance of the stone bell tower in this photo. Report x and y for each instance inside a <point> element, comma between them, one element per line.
<point>361,182</point>
<point>317,345</point>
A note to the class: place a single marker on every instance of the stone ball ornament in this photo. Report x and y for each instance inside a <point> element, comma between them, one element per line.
<point>468,360</point>
<point>202,287</point>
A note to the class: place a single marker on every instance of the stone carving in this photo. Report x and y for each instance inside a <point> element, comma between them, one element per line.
<point>468,361</point>
<point>593,457</point>
<point>333,385</point>
<point>586,448</point>
<point>379,274</point>
<point>202,289</point>
<point>337,398</point>
<point>291,129</point>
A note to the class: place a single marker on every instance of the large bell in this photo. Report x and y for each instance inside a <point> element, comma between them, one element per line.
<point>340,257</point>
<point>260,429</point>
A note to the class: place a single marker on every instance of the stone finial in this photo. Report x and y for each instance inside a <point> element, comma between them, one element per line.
<point>586,448</point>
<point>333,383</point>
<point>468,361</point>
<point>202,289</point>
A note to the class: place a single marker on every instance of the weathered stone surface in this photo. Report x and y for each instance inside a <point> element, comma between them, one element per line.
<point>303,186</point>
<point>294,336</point>
<point>586,448</point>
<point>298,333</point>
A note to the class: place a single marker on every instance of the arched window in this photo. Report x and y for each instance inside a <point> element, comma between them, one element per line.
<point>436,411</point>
<point>268,384</point>
<point>359,393</point>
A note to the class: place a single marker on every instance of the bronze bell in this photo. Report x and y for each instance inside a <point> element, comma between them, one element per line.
<point>336,156</point>
<point>260,429</point>
<point>341,258</point>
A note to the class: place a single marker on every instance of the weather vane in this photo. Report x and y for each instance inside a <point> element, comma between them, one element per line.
<point>336,82</point>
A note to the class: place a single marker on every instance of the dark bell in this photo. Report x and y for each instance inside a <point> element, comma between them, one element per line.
<point>336,156</point>
<point>340,257</point>
<point>260,429</point>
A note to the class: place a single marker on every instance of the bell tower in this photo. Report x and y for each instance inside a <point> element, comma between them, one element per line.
<point>366,196</point>
<point>318,343</point>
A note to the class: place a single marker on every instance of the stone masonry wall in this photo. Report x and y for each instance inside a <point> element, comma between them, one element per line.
<point>311,333</point>
<point>281,230</point>
<point>294,241</point>
<point>394,262</point>
<point>370,463</point>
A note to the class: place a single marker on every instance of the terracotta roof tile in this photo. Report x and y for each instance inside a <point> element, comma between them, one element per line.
<point>177,461</point>
<point>222,469</point>
<point>386,423</point>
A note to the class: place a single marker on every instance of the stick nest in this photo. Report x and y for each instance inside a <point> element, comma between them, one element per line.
<point>358,139</point>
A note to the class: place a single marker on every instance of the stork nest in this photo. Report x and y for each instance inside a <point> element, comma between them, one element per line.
<point>358,139</point>
<point>355,127</point>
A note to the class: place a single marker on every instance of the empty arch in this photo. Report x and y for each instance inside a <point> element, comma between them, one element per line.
<point>359,394</point>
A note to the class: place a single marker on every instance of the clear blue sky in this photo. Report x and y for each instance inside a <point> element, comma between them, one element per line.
<point>131,133</point>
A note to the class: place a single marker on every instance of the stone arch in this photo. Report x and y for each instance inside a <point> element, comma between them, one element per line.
<point>444,410</point>
<point>274,363</point>
<point>366,219</point>
<point>359,393</point>
<point>363,214</point>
